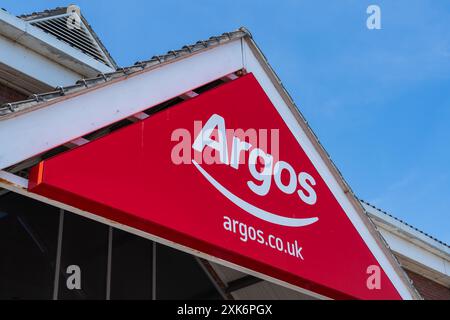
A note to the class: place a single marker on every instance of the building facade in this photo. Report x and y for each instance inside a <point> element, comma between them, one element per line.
<point>51,250</point>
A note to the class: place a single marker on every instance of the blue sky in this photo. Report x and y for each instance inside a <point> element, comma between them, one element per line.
<point>379,100</point>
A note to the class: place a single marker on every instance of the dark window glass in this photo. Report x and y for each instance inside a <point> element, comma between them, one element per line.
<point>29,232</point>
<point>85,245</point>
<point>179,276</point>
<point>131,268</point>
<point>28,239</point>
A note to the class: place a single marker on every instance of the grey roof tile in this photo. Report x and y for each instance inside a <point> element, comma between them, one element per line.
<point>406,224</point>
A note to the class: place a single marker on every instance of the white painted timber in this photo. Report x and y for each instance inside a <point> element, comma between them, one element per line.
<point>188,95</point>
<point>393,225</point>
<point>408,249</point>
<point>419,250</point>
<point>77,142</point>
<point>13,180</point>
<point>34,65</point>
<point>71,117</point>
<point>138,116</point>
<point>230,77</point>
<point>31,37</point>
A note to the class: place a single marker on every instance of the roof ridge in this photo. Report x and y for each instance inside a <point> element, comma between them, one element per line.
<point>13,107</point>
<point>405,223</point>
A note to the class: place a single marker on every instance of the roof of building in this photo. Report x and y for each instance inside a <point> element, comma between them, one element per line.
<point>49,25</point>
<point>433,239</point>
<point>43,14</point>
<point>84,84</point>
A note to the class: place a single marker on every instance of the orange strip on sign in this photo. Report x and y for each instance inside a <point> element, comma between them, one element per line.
<point>40,172</point>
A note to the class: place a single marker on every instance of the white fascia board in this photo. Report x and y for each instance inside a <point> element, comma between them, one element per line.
<point>34,65</point>
<point>67,118</point>
<point>439,265</point>
<point>47,45</point>
<point>254,62</point>
<point>413,245</point>
<point>392,225</point>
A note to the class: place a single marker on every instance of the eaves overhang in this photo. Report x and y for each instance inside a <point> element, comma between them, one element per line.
<point>33,38</point>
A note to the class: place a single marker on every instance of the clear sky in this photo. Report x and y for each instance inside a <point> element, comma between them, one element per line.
<point>379,100</point>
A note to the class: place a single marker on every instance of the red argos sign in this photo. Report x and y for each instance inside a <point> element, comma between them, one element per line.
<point>222,174</point>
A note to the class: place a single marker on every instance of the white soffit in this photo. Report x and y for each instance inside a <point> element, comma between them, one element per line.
<point>29,37</point>
<point>438,268</point>
<point>420,250</point>
<point>262,290</point>
<point>32,65</point>
<point>79,38</point>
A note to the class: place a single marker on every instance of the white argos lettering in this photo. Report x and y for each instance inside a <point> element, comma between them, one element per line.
<point>263,177</point>
<point>307,182</point>
<point>204,138</point>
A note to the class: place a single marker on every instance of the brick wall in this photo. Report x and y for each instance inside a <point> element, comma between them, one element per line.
<point>9,95</point>
<point>429,289</point>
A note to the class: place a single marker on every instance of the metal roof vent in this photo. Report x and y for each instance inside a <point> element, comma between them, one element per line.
<point>71,28</point>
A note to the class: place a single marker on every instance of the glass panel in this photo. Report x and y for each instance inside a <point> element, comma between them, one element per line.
<point>179,276</point>
<point>28,245</point>
<point>28,240</point>
<point>131,271</point>
<point>84,246</point>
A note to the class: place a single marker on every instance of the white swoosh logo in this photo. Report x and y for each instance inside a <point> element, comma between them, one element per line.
<point>255,211</point>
